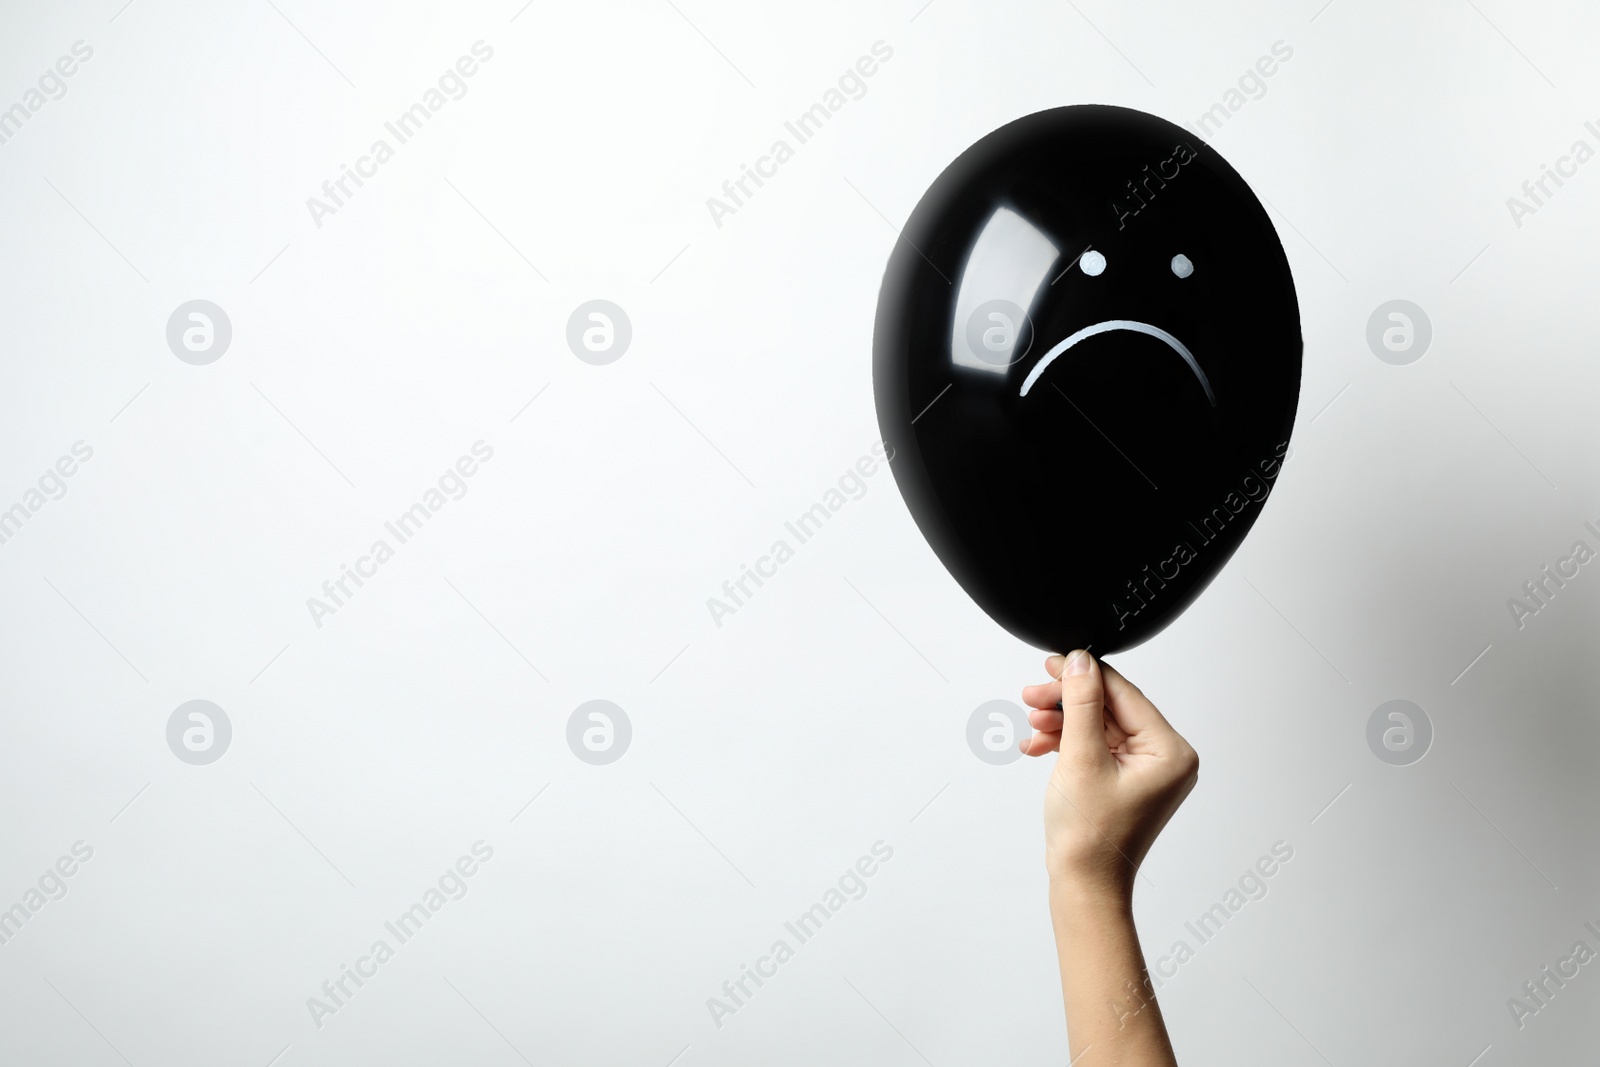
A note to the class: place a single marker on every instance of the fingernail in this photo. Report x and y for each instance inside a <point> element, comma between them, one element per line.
<point>1078,662</point>
<point>1053,665</point>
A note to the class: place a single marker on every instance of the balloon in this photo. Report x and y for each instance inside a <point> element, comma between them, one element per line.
<point>1087,361</point>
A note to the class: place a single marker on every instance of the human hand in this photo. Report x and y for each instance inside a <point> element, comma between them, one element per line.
<point>1121,773</point>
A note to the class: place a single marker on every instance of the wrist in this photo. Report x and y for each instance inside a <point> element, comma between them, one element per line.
<point>1091,891</point>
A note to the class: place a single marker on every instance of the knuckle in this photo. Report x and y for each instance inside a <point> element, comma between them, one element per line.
<point>1080,687</point>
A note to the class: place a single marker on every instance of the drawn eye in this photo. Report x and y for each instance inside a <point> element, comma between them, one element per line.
<point>1181,265</point>
<point>1092,262</point>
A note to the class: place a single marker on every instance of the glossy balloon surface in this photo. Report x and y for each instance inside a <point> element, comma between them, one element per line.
<point>1087,362</point>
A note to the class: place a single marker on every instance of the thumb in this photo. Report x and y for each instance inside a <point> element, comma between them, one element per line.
<point>1083,710</point>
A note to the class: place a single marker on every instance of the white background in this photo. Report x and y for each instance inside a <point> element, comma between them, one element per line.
<point>830,711</point>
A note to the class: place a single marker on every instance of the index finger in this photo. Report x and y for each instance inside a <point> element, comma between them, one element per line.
<point>1132,709</point>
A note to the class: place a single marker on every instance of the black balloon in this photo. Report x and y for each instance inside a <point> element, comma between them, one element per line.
<point>1087,362</point>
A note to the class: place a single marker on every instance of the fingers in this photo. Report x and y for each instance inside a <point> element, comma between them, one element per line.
<point>1047,723</point>
<point>1130,707</point>
<point>1082,710</point>
<point>1042,742</point>
<point>1046,695</point>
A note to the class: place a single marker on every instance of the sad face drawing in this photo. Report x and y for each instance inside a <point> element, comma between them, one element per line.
<point>1087,341</point>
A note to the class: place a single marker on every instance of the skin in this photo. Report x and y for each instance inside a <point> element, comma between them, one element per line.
<point>1121,772</point>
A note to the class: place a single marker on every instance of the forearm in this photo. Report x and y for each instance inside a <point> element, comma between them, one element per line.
<point>1112,1016</point>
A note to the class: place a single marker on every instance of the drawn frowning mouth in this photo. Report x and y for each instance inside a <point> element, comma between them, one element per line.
<point>1108,326</point>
